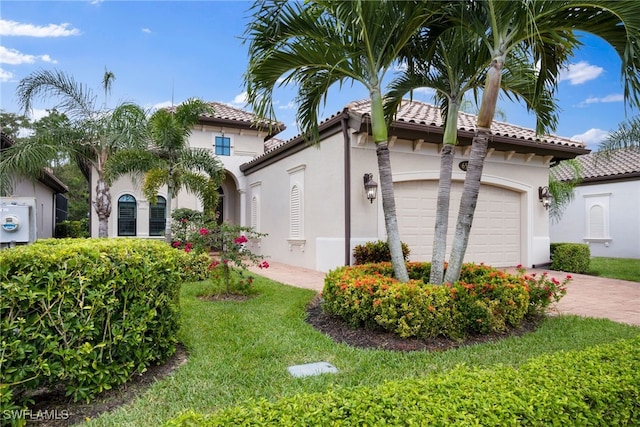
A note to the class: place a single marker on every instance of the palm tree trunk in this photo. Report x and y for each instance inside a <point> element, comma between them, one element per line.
<point>167,216</point>
<point>442,215</point>
<point>447,153</point>
<point>102,205</point>
<point>471,187</point>
<point>380,137</point>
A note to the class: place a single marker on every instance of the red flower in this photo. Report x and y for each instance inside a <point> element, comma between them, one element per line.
<point>519,266</point>
<point>569,277</point>
<point>240,240</point>
<point>204,231</point>
<point>176,244</point>
<point>264,264</point>
<point>213,264</point>
<point>187,249</point>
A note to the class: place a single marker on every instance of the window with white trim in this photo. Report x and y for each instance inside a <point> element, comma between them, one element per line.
<point>127,214</point>
<point>222,145</point>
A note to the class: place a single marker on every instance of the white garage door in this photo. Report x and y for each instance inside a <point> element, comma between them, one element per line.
<point>495,234</point>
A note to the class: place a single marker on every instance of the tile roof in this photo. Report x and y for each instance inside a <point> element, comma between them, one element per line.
<point>412,111</point>
<point>600,167</point>
<point>226,112</point>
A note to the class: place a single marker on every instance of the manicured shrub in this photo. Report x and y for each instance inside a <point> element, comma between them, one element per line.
<point>86,314</point>
<point>485,299</point>
<point>572,257</point>
<point>374,252</point>
<point>597,386</point>
<point>74,229</point>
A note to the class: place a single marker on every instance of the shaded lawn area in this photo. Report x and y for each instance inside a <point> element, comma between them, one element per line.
<point>241,349</point>
<point>615,268</point>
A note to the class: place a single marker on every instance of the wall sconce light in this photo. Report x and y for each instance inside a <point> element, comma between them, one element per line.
<point>545,196</point>
<point>370,186</point>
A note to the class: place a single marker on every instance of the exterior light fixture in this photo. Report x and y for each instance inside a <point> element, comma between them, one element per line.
<point>545,196</point>
<point>370,187</point>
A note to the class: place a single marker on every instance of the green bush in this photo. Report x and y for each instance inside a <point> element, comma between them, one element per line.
<point>374,252</point>
<point>74,229</point>
<point>572,257</point>
<point>484,300</point>
<point>86,314</point>
<point>597,386</point>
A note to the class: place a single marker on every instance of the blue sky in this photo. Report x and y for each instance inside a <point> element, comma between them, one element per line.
<point>161,51</point>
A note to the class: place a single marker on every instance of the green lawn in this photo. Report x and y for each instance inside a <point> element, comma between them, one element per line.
<point>241,350</point>
<point>616,268</point>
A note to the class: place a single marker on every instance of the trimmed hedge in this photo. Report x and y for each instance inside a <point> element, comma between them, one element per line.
<point>572,257</point>
<point>597,386</point>
<point>373,252</point>
<point>87,314</point>
<point>484,300</point>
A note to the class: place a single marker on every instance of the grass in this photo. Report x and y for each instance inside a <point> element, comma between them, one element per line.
<point>241,350</point>
<point>616,268</point>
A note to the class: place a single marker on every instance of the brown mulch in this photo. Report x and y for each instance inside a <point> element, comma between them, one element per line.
<point>331,326</point>
<point>341,332</point>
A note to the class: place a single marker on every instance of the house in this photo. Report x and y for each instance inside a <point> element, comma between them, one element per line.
<point>604,212</point>
<point>311,199</point>
<point>44,197</point>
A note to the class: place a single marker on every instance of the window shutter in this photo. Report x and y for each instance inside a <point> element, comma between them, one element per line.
<point>295,220</point>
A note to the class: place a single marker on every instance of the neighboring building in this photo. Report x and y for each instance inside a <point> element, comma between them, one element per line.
<point>48,192</point>
<point>311,201</point>
<point>605,211</point>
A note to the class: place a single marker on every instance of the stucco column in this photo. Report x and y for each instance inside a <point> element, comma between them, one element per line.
<point>243,207</point>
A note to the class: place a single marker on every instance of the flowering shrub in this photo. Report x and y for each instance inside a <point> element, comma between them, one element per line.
<point>484,300</point>
<point>543,290</point>
<point>229,244</point>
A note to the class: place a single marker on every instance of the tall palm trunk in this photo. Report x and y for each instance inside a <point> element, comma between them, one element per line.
<point>167,216</point>
<point>380,137</point>
<point>447,153</point>
<point>472,179</point>
<point>102,205</point>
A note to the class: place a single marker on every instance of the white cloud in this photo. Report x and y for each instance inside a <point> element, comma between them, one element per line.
<point>160,105</point>
<point>616,97</point>
<point>13,28</point>
<point>580,73</point>
<point>240,100</point>
<point>290,106</point>
<point>591,137</point>
<point>5,75</point>
<point>37,113</point>
<point>146,31</point>
<point>427,91</point>
<point>15,57</point>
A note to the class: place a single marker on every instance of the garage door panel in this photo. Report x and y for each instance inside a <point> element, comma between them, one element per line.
<point>495,235</point>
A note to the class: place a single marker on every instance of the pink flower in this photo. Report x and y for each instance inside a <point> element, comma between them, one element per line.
<point>187,249</point>
<point>569,277</point>
<point>184,220</point>
<point>204,231</point>
<point>176,244</point>
<point>264,264</point>
<point>240,240</point>
<point>519,266</point>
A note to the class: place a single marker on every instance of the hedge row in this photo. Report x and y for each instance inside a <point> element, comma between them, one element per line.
<point>599,386</point>
<point>484,300</point>
<point>87,314</point>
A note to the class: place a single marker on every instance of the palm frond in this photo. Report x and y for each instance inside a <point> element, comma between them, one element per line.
<point>130,162</point>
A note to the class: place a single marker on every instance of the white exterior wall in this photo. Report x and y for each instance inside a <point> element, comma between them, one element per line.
<point>45,205</point>
<point>323,246</point>
<point>620,203</point>
<point>246,144</point>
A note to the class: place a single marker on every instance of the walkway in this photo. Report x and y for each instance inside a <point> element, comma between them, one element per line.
<point>591,296</point>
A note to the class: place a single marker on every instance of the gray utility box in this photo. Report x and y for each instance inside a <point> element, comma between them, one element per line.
<point>17,223</point>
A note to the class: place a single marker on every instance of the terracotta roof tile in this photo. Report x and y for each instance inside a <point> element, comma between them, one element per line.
<point>427,114</point>
<point>599,165</point>
<point>224,111</point>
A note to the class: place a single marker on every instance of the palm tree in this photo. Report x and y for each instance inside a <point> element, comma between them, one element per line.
<point>452,74</point>
<point>92,136</point>
<point>626,136</point>
<point>318,43</point>
<point>546,30</point>
<point>169,160</point>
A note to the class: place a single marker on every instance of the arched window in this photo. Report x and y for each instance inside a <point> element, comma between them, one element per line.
<point>157,217</point>
<point>127,210</point>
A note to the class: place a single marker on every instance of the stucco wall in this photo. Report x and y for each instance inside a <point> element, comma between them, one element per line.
<point>324,198</point>
<point>621,202</point>
<point>45,205</point>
